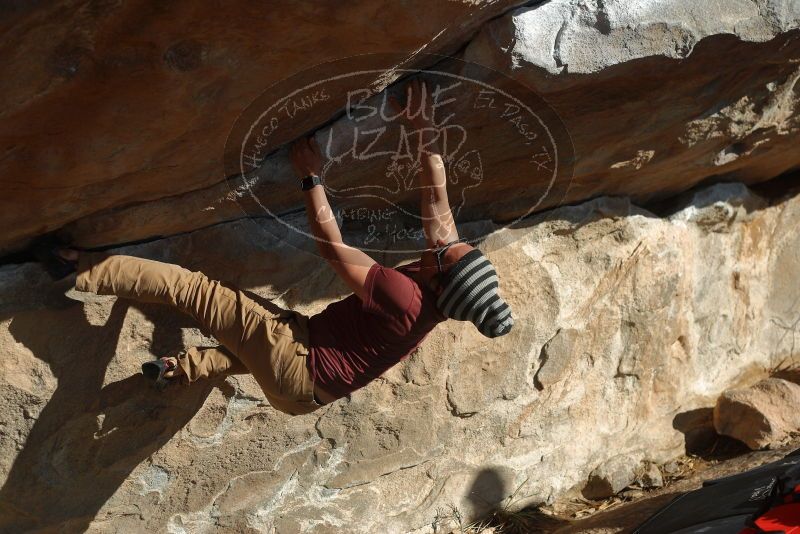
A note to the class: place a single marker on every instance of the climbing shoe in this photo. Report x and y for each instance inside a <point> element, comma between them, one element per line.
<point>156,370</point>
<point>45,249</point>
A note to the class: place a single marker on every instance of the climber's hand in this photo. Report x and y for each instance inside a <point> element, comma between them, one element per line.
<point>306,157</point>
<point>418,109</point>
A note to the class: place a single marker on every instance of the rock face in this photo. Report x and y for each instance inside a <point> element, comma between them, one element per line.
<point>115,118</point>
<point>633,82</point>
<point>611,477</point>
<point>106,104</point>
<point>130,121</point>
<point>661,315</point>
<point>761,415</point>
<point>588,37</point>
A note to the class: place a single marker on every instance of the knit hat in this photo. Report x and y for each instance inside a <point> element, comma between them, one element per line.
<point>470,294</point>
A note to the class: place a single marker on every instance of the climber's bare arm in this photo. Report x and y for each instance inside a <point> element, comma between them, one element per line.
<point>437,218</point>
<point>351,264</point>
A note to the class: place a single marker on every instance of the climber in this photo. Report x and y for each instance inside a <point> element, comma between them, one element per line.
<point>304,362</point>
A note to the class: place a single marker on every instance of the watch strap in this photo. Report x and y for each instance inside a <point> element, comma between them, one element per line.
<point>310,181</point>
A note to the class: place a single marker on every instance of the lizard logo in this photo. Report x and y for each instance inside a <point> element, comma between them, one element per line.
<point>506,152</point>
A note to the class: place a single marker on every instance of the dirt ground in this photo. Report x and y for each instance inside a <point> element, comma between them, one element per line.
<point>631,507</point>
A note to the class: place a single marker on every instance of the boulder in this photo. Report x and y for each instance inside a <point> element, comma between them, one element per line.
<point>670,312</point>
<point>610,478</point>
<point>642,99</point>
<point>127,126</point>
<point>761,415</point>
<point>651,477</point>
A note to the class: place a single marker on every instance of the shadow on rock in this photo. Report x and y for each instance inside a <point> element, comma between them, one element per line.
<point>488,490</point>
<point>491,495</point>
<point>701,438</point>
<point>88,438</point>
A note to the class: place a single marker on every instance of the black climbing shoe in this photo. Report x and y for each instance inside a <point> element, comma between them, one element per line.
<point>154,371</point>
<point>45,249</point>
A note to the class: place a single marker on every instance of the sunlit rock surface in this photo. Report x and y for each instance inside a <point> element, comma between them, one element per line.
<point>625,320</point>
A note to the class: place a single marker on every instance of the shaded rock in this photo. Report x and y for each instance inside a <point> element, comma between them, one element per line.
<point>651,477</point>
<point>148,164</point>
<point>610,478</point>
<point>161,103</point>
<point>697,427</point>
<point>761,415</point>
<point>715,208</point>
<point>672,467</point>
<point>632,493</point>
<point>605,66</point>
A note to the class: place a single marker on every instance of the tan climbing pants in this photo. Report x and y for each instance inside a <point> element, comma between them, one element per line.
<point>271,346</point>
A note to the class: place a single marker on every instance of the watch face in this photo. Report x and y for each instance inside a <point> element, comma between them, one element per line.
<point>310,181</point>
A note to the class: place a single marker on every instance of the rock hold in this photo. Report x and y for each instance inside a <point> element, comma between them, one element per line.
<point>556,358</point>
<point>651,477</point>
<point>761,415</point>
<point>610,478</point>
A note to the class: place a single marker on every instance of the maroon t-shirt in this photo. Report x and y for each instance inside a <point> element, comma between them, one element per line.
<point>354,342</point>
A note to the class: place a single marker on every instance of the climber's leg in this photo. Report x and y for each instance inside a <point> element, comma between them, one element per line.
<point>273,346</point>
<point>223,311</point>
<point>206,362</point>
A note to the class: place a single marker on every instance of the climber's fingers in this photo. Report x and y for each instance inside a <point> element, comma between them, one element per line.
<point>395,104</point>
<point>312,145</point>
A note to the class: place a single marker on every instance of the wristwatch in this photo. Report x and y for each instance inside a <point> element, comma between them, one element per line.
<point>310,181</point>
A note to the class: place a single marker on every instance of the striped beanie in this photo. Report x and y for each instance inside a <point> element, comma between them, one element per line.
<point>470,294</point>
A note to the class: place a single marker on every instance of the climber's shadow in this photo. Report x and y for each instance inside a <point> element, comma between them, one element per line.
<point>492,498</point>
<point>487,491</point>
<point>88,438</point>
<point>167,326</point>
